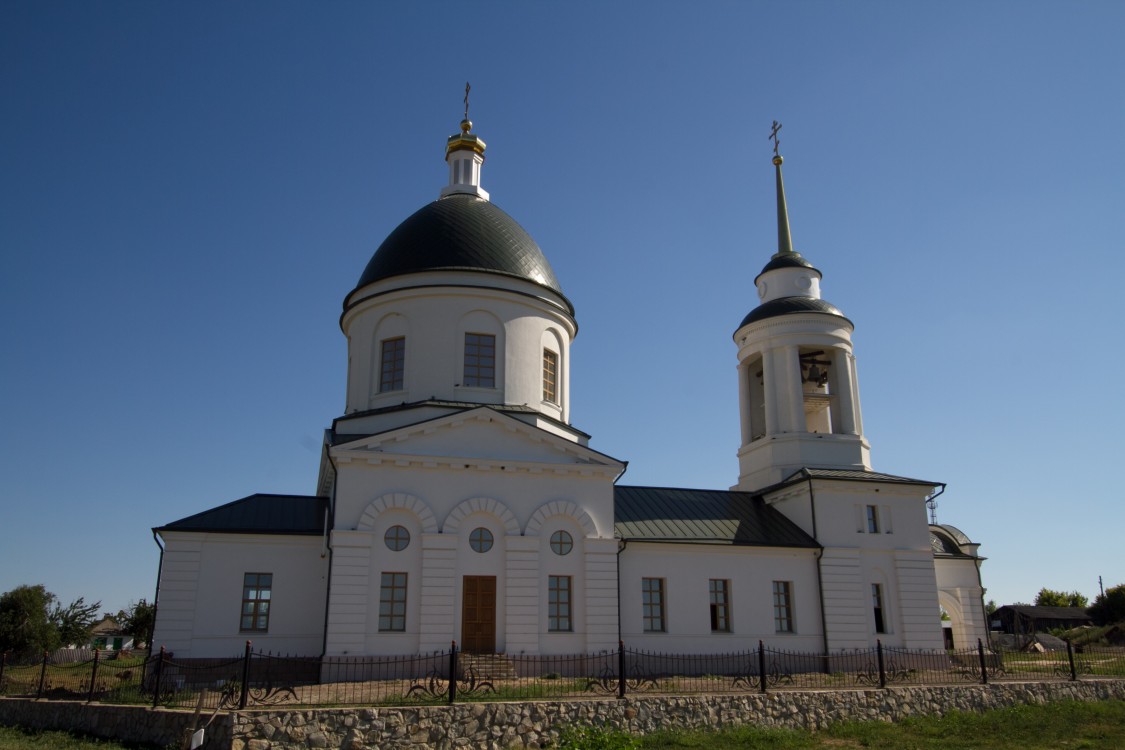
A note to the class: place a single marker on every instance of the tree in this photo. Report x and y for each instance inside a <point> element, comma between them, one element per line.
<point>1048,598</point>
<point>73,623</point>
<point>1109,608</point>
<point>990,607</point>
<point>26,629</point>
<point>137,620</point>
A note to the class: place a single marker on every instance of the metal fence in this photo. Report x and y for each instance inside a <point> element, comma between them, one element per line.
<point>262,679</point>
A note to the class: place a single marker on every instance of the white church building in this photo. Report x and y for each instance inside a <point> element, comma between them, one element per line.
<point>456,502</point>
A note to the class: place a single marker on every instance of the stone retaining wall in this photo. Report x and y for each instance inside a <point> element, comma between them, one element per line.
<point>499,726</point>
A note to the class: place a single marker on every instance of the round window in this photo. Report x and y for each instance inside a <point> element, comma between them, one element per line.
<point>396,538</point>
<point>561,542</point>
<point>480,539</point>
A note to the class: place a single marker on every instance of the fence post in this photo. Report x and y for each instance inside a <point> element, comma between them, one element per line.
<point>93,677</point>
<point>621,669</point>
<point>879,658</point>
<point>245,693</point>
<point>1070,656</point>
<point>983,666</point>
<point>159,673</point>
<point>452,672</point>
<point>3,663</point>
<point>761,667</point>
<point>42,675</point>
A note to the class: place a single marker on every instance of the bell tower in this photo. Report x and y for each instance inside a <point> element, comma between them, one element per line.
<point>798,393</point>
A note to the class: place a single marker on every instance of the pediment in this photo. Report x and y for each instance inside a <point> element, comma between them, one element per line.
<point>478,438</point>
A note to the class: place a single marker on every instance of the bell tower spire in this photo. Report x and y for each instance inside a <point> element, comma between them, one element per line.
<point>798,396</point>
<point>784,237</point>
<point>464,152</point>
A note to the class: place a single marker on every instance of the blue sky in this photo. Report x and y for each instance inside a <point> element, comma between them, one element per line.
<point>188,190</point>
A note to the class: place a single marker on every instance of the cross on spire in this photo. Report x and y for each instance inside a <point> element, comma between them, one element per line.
<point>773,135</point>
<point>467,100</point>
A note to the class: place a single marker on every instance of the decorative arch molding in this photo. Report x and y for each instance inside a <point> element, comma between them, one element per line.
<point>398,501</point>
<point>481,505</point>
<point>560,508</point>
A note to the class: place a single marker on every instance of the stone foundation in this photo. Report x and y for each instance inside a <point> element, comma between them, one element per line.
<point>499,726</point>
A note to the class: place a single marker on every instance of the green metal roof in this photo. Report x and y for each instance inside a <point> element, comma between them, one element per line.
<point>705,516</point>
<point>858,475</point>
<point>259,514</point>
<point>791,306</point>
<point>461,233</point>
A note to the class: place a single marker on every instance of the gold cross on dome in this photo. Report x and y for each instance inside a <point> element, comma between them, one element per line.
<point>773,136</point>
<point>466,100</point>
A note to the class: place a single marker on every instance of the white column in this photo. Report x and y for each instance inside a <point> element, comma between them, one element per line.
<point>770,390</point>
<point>794,391</point>
<point>522,595</point>
<point>855,394</point>
<point>745,403</point>
<point>841,363</point>
<point>349,598</point>
<point>439,592</point>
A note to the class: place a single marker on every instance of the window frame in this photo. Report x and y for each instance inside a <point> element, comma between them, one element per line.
<point>653,606</point>
<point>389,594</point>
<point>476,372</point>
<point>559,612</point>
<point>783,607</point>
<point>481,539</point>
<point>718,594</point>
<point>879,608</point>
<point>394,378</point>
<point>397,538</point>
<point>871,514</point>
<point>550,376</point>
<point>259,606</point>
<point>561,542</point>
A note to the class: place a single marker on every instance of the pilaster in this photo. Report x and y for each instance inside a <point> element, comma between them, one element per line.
<point>350,596</point>
<point>522,595</point>
<point>439,592</point>
<point>601,594</point>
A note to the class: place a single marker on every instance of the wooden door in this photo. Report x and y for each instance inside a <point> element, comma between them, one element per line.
<point>478,615</point>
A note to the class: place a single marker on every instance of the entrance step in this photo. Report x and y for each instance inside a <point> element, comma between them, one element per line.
<point>487,666</point>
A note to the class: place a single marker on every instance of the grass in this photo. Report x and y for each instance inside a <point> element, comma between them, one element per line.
<point>1066,725</point>
<point>17,738</point>
<point>1071,725</point>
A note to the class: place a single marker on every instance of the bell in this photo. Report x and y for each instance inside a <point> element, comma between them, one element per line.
<point>814,375</point>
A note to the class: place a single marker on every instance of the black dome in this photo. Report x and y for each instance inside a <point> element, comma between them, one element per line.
<point>787,260</point>
<point>460,233</point>
<point>790,306</point>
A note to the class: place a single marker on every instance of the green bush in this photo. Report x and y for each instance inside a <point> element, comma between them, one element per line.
<point>587,737</point>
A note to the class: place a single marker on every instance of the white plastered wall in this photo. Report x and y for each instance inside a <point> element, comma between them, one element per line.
<point>441,506</point>
<point>687,569</point>
<point>434,319</point>
<point>898,558</point>
<point>200,595</point>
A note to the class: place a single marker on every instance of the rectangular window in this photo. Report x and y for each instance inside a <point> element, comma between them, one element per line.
<point>558,604</point>
<point>393,365</point>
<point>877,607</point>
<point>550,376</point>
<point>720,605</point>
<point>480,360</point>
<point>783,606</point>
<point>652,601</point>
<point>392,603</point>
<point>872,519</point>
<point>256,602</point>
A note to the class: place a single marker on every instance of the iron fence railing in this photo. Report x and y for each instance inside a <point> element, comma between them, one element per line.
<point>264,679</point>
